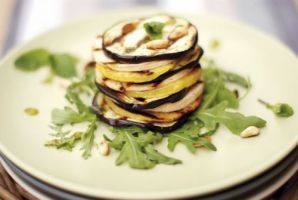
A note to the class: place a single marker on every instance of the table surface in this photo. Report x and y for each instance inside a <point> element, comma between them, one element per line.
<point>21,20</point>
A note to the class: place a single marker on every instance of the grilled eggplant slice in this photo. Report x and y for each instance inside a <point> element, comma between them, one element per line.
<point>146,76</point>
<point>133,44</point>
<point>152,117</point>
<point>135,104</point>
<point>193,77</point>
<point>107,115</point>
<point>122,87</point>
<point>100,57</point>
<point>194,92</point>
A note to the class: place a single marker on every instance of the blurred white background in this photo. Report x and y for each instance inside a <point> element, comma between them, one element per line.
<point>21,20</point>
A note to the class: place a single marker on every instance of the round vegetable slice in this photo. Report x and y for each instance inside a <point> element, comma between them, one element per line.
<point>135,104</point>
<point>174,87</point>
<point>194,92</point>
<point>108,116</point>
<point>146,41</point>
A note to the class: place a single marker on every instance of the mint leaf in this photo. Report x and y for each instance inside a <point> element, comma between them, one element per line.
<point>154,29</point>
<point>234,121</point>
<point>33,60</point>
<point>64,65</point>
<point>279,109</point>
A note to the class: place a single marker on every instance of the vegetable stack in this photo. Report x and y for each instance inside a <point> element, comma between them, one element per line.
<point>148,72</point>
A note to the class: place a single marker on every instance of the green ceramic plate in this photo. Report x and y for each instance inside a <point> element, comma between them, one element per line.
<point>273,70</point>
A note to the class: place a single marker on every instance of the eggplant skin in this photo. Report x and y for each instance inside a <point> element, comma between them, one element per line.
<point>139,59</point>
<point>166,75</point>
<point>124,122</point>
<point>138,107</point>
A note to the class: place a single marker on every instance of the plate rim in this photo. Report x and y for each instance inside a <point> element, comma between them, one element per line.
<point>181,193</point>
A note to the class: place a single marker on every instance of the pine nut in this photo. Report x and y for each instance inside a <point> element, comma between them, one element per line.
<point>178,33</point>
<point>158,44</point>
<point>104,148</point>
<point>250,131</point>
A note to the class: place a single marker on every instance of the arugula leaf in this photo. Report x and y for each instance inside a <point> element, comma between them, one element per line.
<point>66,143</point>
<point>154,29</point>
<point>235,78</point>
<point>58,131</point>
<point>189,135</point>
<point>33,60</point>
<point>85,86</point>
<point>136,147</point>
<point>133,154</point>
<point>157,157</point>
<point>69,116</point>
<point>227,95</point>
<point>234,121</point>
<point>88,139</point>
<point>280,109</point>
<point>216,91</point>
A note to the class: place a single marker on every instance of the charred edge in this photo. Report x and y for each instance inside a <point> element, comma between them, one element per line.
<point>139,59</point>
<point>137,107</point>
<point>90,65</point>
<point>166,75</point>
<point>123,122</point>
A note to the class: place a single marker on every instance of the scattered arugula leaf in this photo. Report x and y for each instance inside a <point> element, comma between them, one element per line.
<point>154,29</point>
<point>135,146</point>
<point>88,139</point>
<point>234,121</point>
<point>64,65</point>
<point>33,60</point>
<point>157,157</point>
<point>189,135</point>
<point>70,116</point>
<point>67,143</point>
<point>81,113</point>
<point>279,109</point>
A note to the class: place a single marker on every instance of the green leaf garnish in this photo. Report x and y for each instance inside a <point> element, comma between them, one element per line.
<point>135,146</point>
<point>154,29</point>
<point>189,135</point>
<point>67,143</point>
<point>234,121</point>
<point>81,113</point>
<point>64,65</point>
<point>88,139</point>
<point>33,60</point>
<point>70,116</point>
<point>279,109</point>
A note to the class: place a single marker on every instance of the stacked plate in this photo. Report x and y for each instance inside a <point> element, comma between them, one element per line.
<point>151,83</point>
<point>240,167</point>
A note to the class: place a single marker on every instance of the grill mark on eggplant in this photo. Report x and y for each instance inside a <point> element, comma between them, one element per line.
<point>115,95</point>
<point>139,59</point>
<point>166,75</point>
<point>124,122</point>
<point>90,65</point>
